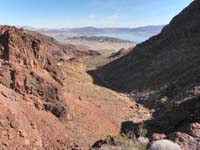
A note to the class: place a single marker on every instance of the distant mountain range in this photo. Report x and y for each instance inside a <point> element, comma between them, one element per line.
<point>89,31</point>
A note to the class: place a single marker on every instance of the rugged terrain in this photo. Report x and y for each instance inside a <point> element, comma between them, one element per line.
<point>163,74</point>
<point>57,96</point>
<point>47,99</point>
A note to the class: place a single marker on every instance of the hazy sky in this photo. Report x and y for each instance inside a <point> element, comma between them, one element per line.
<point>79,13</point>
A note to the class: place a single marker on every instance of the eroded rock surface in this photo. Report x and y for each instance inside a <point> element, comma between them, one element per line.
<point>28,68</point>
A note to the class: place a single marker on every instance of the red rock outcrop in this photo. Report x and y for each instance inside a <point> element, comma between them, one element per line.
<point>28,68</point>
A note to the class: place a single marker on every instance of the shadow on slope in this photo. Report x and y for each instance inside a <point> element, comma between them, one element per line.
<point>163,74</point>
<point>163,69</point>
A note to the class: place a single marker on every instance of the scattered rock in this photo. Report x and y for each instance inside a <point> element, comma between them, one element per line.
<point>143,140</point>
<point>164,145</point>
<point>69,117</point>
<point>192,129</point>
<point>56,109</point>
<point>21,134</point>
<point>186,141</point>
<point>2,93</point>
<point>13,124</point>
<point>80,98</point>
<point>33,125</point>
<point>98,144</point>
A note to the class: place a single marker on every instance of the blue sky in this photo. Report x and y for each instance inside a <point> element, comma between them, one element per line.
<point>98,13</point>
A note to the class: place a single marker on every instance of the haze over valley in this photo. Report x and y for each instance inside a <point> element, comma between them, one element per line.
<point>138,34</point>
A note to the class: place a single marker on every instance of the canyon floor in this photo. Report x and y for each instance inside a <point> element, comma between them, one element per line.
<point>96,111</point>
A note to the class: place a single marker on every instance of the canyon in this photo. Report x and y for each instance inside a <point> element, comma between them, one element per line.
<point>66,96</point>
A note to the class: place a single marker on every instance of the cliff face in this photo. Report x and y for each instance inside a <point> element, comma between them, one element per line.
<point>163,74</point>
<point>31,96</point>
<point>28,68</point>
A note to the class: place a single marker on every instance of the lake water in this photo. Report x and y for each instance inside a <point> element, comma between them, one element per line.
<point>60,38</point>
<point>134,37</point>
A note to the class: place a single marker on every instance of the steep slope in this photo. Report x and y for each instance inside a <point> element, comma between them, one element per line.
<point>32,100</point>
<point>170,57</point>
<point>163,73</point>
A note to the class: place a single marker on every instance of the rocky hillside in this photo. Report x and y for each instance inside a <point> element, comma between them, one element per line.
<point>30,81</point>
<point>47,99</point>
<point>27,67</point>
<point>163,74</point>
<point>160,60</point>
<point>32,98</point>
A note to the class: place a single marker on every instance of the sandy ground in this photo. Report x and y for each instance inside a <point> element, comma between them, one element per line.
<point>100,45</point>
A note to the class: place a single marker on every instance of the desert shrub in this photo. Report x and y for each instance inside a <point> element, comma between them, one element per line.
<point>142,131</point>
<point>133,130</point>
<point>164,145</point>
<point>123,139</point>
<point>110,140</point>
<point>127,143</point>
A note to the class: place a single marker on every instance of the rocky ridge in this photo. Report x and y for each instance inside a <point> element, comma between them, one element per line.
<point>163,74</point>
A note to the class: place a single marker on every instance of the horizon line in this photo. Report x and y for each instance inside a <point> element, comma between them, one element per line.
<point>39,28</point>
